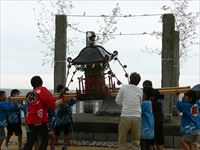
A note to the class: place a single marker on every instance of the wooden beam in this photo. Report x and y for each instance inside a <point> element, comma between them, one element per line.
<point>174,90</point>
<point>56,96</point>
<point>165,90</point>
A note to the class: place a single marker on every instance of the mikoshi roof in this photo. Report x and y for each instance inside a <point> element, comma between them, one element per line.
<point>92,54</point>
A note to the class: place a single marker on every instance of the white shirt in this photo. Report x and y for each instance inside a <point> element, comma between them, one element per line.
<point>130,98</point>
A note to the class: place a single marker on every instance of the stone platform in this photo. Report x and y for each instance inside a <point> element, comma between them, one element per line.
<point>90,128</point>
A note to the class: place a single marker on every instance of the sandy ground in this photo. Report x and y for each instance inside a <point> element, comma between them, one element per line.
<point>13,145</point>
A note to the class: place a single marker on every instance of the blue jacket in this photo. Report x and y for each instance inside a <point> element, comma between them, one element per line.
<point>63,114</point>
<point>147,120</point>
<point>4,108</point>
<point>190,120</point>
<point>14,114</point>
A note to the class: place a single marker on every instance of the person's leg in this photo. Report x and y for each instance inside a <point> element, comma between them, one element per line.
<point>2,136</point>
<point>193,140</point>
<point>159,135</point>
<point>151,144</point>
<point>135,132</point>
<point>52,138</point>
<point>57,132</point>
<point>122,131</point>
<point>18,132</point>
<point>27,136</point>
<point>185,144</point>
<point>66,140</point>
<point>66,134</point>
<point>1,142</point>
<point>32,137</point>
<point>37,144</point>
<point>7,140</point>
<point>160,147</point>
<point>195,145</point>
<point>142,144</point>
<point>152,147</point>
<point>20,141</point>
<point>44,137</point>
<point>145,144</point>
<point>66,129</point>
<point>9,134</point>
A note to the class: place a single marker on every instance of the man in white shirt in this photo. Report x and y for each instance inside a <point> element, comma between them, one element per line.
<point>130,98</point>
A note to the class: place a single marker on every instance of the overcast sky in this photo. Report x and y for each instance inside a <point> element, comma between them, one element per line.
<point>21,56</point>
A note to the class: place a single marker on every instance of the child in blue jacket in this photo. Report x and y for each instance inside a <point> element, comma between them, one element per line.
<point>190,120</point>
<point>63,119</point>
<point>14,120</point>
<point>4,107</point>
<point>147,120</point>
<point>157,104</point>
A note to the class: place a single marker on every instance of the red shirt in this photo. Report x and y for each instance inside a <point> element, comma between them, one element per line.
<point>37,111</point>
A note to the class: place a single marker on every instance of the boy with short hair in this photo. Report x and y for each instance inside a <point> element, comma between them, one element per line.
<point>147,120</point>
<point>14,120</point>
<point>63,119</point>
<point>37,113</point>
<point>147,83</point>
<point>4,107</point>
<point>157,104</point>
<point>190,120</point>
<point>28,131</point>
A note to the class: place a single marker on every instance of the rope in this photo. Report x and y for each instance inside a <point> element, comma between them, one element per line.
<point>120,16</point>
<point>115,34</point>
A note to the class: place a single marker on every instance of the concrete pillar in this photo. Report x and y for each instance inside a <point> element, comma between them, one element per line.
<point>175,70</point>
<point>60,50</point>
<point>170,60</point>
<point>176,58</point>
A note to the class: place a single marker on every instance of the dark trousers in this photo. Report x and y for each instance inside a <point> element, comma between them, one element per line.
<point>146,144</point>
<point>40,130</point>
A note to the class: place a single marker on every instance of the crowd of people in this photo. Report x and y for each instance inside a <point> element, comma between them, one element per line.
<point>141,115</point>
<point>45,119</point>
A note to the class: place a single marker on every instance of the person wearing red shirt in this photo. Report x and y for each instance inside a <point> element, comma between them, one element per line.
<point>39,100</point>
